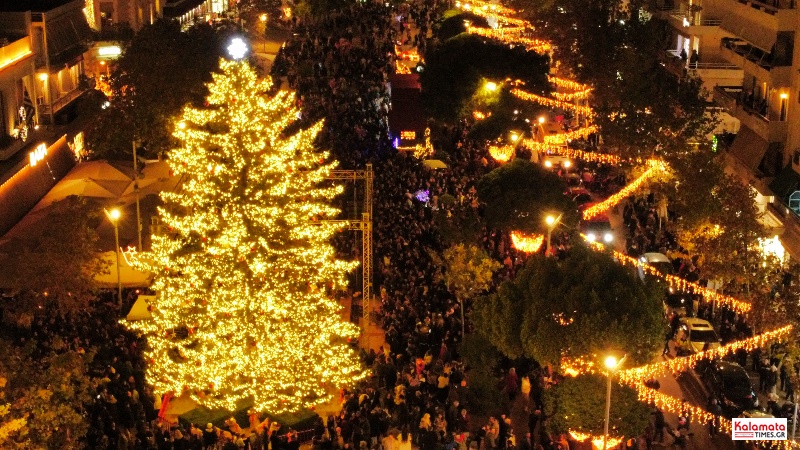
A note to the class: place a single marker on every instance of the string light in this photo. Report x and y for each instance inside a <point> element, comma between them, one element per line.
<point>679,283</point>
<point>528,243</point>
<point>551,103</point>
<point>579,133</point>
<point>623,193</point>
<point>245,274</point>
<point>536,45</point>
<point>568,84</point>
<point>541,147</point>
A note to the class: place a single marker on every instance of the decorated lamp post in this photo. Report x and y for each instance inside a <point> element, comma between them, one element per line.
<point>114,216</point>
<point>612,364</point>
<point>551,224</point>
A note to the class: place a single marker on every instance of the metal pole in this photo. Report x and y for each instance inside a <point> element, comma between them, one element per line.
<point>136,190</point>
<point>549,232</point>
<point>608,411</point>
<point>119,278</point>
<point>794,419</point>
<point>461,305</point>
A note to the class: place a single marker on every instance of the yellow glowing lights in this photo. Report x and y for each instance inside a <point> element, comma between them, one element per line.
<point>679,283</point>
<point>511,36</point>
<point>552,103</point>
<point>245,273</point>
<point>490,86</point>
<point>623,193</point>
<point>528,243</point>
<point>501,153</point>
<point>597,442</point>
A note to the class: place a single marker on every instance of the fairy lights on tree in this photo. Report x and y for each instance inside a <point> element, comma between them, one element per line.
<point>244,275</point>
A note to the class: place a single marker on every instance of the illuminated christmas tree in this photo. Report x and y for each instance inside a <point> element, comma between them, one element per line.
<point>245,272</point>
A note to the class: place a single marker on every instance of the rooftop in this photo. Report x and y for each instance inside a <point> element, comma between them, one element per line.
<point>31,5</point>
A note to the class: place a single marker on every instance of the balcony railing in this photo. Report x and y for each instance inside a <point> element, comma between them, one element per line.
<point>770,7</point>
<point>61,102</point>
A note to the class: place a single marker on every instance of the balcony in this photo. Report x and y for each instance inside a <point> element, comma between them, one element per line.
<point>692,23</point>
<point>755,114</point>
<point>14,52</point>
<point>45,111</point>
<point>755,61</point>
<point>712,73</point>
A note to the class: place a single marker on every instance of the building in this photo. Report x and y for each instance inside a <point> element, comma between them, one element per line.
<point>746,54</point>
<point>17,91</point>
<point>59,36</point>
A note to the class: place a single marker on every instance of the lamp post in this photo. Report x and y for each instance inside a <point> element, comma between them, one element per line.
<point>612,364</point>
<point>541,126</point>
<point>551,223</point>
<point>114,216</point>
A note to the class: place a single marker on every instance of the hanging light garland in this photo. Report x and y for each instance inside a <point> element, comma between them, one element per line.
<point>528,243</point>
<point>535,45</point>
<point>578,133</point>
<point>568,84</point>
<point>623,193</point>
<point>679,283</point>
<point>551,103</point>
<point>486,6</point>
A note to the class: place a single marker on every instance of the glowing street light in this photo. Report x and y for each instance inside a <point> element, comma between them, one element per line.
<point>551,224</point>
<point>612,364</point>
<point>114,216</point>
<point>237,48</point>
<point>491,86</point>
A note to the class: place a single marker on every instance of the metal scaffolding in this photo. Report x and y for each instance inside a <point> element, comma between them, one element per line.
<point>365,226</point>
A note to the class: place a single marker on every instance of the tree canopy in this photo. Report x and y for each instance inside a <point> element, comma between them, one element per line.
<point>578,403</point>
<point>616,46</point>
<point>56,266</point>
<point>582,305</point>
<point>160,70</point>
<point>455,69</point>
<point>48,391</point>
<point>519,195</point>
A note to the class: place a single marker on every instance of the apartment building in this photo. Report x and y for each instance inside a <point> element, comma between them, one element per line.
<point>747,55</point>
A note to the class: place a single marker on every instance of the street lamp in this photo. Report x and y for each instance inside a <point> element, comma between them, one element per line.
<point>491,86</point>
<point>612,364</point>
<point>114,216</point>
<point>551,223</point>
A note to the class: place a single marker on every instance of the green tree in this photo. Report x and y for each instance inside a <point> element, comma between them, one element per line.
<point>578,403</point>
<point>468,272</point>
<point>454,71</point>
<point>160,70</point>
<point>520,194</point>
<point>49,390</point>
<point>582,305</point>
<point>616,47</point>
<point>55,267</point>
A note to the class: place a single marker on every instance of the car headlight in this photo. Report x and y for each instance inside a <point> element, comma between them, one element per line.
<point>567,163</point>
<point>548,164</point>
<point>591,237</point>
<point>608,237</point>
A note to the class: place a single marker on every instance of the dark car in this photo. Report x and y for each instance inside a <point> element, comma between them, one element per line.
<point>730,383</point>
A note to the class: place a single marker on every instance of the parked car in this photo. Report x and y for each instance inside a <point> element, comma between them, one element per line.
<point>730,383</point>
<point>695,335</point>
<point>676,301</point>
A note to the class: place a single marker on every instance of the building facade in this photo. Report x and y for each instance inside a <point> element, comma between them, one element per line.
<point>746,54</point>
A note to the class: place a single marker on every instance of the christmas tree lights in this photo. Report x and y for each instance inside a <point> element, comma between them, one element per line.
<point>245,273</point>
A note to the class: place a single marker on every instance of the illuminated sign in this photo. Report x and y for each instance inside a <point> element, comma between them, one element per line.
<point>38,154</point>
<point>111,50</point>
<point>410,135</point>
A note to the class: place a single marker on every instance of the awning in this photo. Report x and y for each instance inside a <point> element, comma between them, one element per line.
<point>66,35</point>
<point>749,148</point>
<point>741,27</point>
<point>785,184</point>
<point>178,8</point>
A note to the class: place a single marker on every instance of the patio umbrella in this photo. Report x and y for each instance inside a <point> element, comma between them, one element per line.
<point>97,170</point>
<point>434,164</point>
